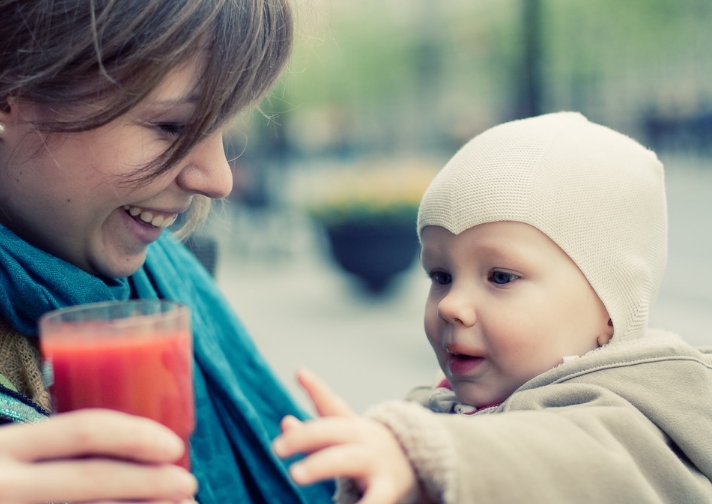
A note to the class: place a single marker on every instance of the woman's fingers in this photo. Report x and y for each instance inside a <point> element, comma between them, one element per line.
<point>92,479</point>
<point>92,456</point>
<point>326,402</point>
<point>91,432</point>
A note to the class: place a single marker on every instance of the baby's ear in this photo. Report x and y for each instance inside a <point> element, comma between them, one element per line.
<point>606,334</point>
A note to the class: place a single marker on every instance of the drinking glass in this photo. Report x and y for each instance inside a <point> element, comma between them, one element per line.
<point>130,356</point>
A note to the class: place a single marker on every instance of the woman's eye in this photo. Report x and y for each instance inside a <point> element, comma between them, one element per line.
<point>501,277</point>
<point>440,277</point>
<point>171,128</point>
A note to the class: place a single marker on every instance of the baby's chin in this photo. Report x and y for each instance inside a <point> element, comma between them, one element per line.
<point>477,400</point>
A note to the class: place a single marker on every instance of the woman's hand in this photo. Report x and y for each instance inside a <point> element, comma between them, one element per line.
<point>92,455</point>
<point>343,444</point>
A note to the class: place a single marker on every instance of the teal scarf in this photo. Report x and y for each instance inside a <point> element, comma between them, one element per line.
<point>239,402</point>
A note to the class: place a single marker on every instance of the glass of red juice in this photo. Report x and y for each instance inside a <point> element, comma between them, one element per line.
<point>131,356</point>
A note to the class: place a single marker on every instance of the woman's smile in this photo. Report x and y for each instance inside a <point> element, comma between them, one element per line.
<point>154,218</point>
<point>144,232</point>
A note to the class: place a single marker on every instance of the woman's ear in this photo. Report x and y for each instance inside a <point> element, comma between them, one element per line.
<point>4,113</point>
<point>5,105</point>
<point>606,334</point>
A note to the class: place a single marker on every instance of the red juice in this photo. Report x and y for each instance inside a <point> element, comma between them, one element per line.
<point>146,374</point>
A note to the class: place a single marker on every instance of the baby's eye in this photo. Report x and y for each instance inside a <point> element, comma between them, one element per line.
<point>440,277</point>
<point>173,129</point>
<point>501,277</point>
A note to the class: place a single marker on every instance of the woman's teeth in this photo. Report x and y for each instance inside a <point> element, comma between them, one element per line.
<point>162,221</point>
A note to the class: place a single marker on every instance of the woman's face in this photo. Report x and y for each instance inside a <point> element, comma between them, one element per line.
<point>68,194</point>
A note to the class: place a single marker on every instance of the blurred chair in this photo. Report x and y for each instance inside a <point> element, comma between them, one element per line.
<point>205,249</point>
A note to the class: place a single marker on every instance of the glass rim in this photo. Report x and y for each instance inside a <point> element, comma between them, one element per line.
<point>168,308</point>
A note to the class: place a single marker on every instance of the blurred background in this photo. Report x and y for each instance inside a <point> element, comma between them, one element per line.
<point>316,247</point>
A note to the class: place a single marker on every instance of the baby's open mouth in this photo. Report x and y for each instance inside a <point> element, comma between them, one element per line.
<point>463,364</point>
<point>464,358</point>
<point>149,217</point>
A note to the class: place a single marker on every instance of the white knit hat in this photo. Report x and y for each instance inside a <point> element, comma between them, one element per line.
<point>596,193</point>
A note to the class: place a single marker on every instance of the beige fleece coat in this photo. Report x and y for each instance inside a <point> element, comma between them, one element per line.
<point>630,422</point>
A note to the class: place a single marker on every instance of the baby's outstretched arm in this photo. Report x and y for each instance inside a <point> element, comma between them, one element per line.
<point>343,444</point>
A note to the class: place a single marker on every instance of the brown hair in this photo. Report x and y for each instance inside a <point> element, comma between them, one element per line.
<point>113,53</point>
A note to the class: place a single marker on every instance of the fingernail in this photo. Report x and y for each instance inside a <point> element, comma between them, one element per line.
<point>306,371</point>
<point>172,445</point>
<point>278,446</point>
<point>184,483</point>
<point>298,472</point>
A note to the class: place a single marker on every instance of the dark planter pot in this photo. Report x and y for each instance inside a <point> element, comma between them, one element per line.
<point>374,252</point>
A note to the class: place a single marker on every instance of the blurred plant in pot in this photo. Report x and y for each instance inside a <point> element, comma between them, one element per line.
<point>368,211</point>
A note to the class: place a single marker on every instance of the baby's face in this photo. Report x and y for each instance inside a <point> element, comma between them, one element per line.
<point>505,305</point>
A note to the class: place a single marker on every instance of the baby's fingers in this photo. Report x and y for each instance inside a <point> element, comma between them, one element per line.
<point>308,437</point>
<point>349,461</point>
<point>290,422</point>
<point>381,491</point>
<point>326,402</point>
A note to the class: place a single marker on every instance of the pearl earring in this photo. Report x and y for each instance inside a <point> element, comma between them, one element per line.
<point>2,128</point>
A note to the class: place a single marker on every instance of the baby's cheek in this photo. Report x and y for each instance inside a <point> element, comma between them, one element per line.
<point>527,357</point>
<point>433,327</point>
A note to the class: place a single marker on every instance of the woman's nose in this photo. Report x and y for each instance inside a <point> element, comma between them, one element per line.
<point>457,308</point>
<point>206,170</point>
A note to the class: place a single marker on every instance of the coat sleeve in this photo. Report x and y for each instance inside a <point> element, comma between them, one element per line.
<point>580,443</point>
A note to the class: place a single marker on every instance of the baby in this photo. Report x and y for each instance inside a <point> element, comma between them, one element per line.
<point>545,241</point>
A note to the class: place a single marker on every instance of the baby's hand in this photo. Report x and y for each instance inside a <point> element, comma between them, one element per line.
<point>343,444</point>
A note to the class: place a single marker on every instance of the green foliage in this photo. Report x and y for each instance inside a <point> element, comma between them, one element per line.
<point>371,51</point>
<point>457,65</point>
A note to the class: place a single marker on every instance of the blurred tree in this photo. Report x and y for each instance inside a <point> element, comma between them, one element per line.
<point>403,75</point>
<point>530,100</point>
